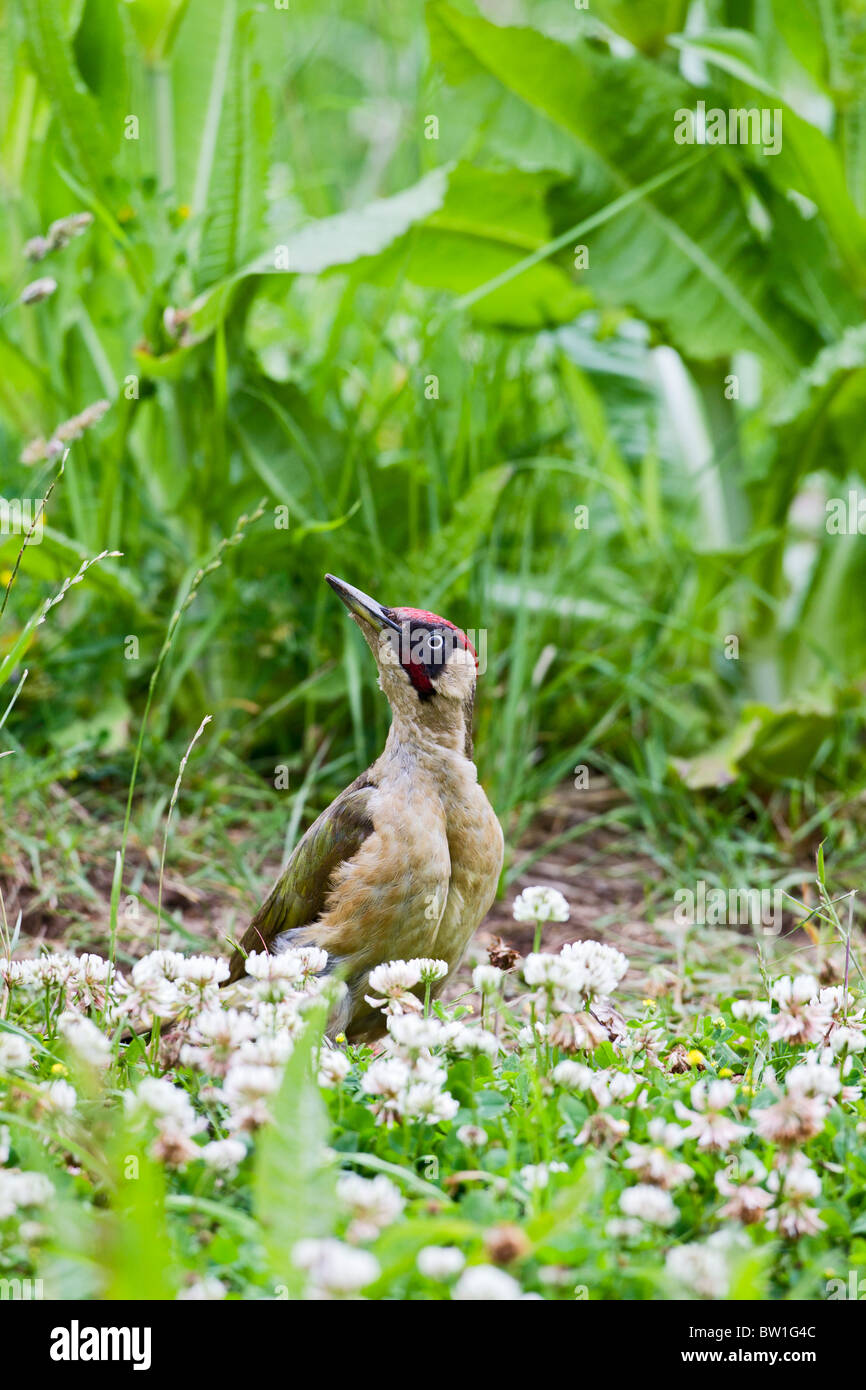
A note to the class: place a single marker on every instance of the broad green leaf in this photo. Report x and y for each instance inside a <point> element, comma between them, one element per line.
<point>766,743</point>
<point>807,160</point>
<point>645,23</point>
<point>685,257</point>
<point>327,243</point>
<point>488,223</point>
<point>822,414</point>
<point>78,115</point>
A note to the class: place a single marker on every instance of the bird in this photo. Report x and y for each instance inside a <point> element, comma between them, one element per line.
<point>405,863</point>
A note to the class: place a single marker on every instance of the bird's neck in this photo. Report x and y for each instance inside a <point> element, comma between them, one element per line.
<point>430,734</point>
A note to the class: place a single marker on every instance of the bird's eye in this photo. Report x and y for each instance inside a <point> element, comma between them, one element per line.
<point>437,641</point>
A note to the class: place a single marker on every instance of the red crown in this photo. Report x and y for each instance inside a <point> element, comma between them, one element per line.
<point>420,615</point>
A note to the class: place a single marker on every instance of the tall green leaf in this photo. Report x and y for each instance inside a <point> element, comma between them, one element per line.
<point>686,256</point>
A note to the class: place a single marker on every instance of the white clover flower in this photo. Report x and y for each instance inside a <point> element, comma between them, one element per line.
<point>548,971</point>
<point>394,981</point>
<point>649,1203</point>
<point>487,979</point>
<point>57,1097</point>
<point>58,968</point>
<point>601,967</point>
<point>747,1202</point>
<point>335,1269</point>
<point>473,1136</point>
<point>153,997</point>
<point>601,1130</point>
<point>795,1184</point>
<point>90,979</point>
<point>665,1132</point>
<point>530,1036</point>
<point>202,971</point>
<point>440,1262</point>
<point>395,976</point>
<point>158,965</point>
<point>14,1051</point>
<point>310,960</point>
<point>625,1228</point>
<point>485,1284</point>
<point>422,1100</point>
<point>265,1051</point>
<point>374,1204</point>
<point>700,1269</point>
<point>470,1041</point>
<point>707,1124</point>
<point>793,1118</point>
<point>250,1081</point>
<point>573,1076</point>
<point>263,965</point>
<point>799,990</point>
<point>847,1039</point>
<point>247,1090</point>
<point>172,1145</point>
<point>385,1077</point>
<point>166,1102</point>
<point>608,1086</point>
<point>223,1155</point>
<point>539,904</point>
<point>654,1162</point>
<point>214,1037</point>
<point>429,969</point>
<point>414,1033</point>
<point>19,1189</point>
<point>278,1016</point>
<point>85,1039</point>
<point>622,1084</point>
<point>747,1010</point>
<point>334,1067</point>
<point>813,1079</point>
<point>797,1179</point>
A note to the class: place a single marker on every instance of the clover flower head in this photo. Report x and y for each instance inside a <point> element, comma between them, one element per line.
<point>87,1041</point>
<point>487,979</point>
<point>486,1284</point>
<point>649,1203</point>
<point>540,904</point>
<point>335,1270</point>
<point>429,969</point>
<point>440,1262</point>
<point>374,1203</point>
<point>700,1269</point>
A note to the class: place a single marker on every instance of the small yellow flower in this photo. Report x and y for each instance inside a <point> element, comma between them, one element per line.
<point>649,1003</point>
<point>5,576</point>
<point>696,1058</point>
<point>341,1037</point>
<point>59,1070</point>
<point>725,1071</point>
<point>184,211</point>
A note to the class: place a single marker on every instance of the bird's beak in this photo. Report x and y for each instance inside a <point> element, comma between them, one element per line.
<point>362,605</point>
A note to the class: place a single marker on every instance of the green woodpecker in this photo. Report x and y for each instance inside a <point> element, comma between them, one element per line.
<point>405,862</point>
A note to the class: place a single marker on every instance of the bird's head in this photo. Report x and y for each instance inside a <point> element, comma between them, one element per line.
<point>427,666</point>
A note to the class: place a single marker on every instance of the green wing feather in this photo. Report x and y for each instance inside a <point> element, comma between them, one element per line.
<point>299,895</point>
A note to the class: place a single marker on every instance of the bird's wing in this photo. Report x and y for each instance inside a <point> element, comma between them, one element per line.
<point>298,897</point>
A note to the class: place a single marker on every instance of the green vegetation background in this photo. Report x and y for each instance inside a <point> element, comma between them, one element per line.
<point>332,264</point>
